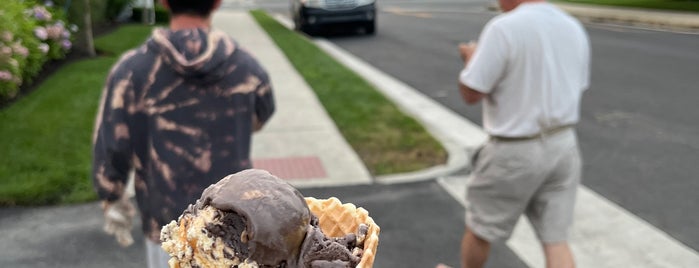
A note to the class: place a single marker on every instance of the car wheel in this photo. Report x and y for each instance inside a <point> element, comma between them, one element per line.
<point>370,27</point>
<point>297,23</point>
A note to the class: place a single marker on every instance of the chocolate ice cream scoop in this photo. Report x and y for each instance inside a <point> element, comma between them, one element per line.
<point>276,215</point>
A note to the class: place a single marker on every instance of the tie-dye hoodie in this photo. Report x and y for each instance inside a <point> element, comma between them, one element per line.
<point>180,111</point>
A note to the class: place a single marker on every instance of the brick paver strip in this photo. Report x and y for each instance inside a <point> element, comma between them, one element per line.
<point>304,167</point>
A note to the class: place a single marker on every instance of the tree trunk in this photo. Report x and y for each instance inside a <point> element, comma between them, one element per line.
<point>89,39</point>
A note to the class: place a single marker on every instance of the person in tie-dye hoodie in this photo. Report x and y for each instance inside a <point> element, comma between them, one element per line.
<point>179,111</point>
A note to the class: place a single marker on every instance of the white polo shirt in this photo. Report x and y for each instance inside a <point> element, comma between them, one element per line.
<point>534,63</point>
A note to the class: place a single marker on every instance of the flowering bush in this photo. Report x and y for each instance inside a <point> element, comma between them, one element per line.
<point>51,29</point>
<point>30,34</point>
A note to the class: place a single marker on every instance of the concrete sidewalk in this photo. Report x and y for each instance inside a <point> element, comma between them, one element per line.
<point>647,18</point>
<point>300,143</point>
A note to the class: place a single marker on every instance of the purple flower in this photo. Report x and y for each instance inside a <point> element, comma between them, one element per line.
<point>65,34</point>
<point>6,76</point>
<point>40,32</point>
<point>44,48</point>
<point>66,44</point>
<point>40,13</point>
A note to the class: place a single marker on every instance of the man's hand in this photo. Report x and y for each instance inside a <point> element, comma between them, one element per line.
<point>256,124</point>
<point>466,50</point>
<point>469,95</point>
<point>118,219</point>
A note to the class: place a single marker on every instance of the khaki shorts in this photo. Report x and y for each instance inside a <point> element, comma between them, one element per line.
<point>537,177</point>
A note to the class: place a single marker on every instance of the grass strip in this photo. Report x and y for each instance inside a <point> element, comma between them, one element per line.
<point>386,140</point>
<point>675,5</point>
<point>46,135</point>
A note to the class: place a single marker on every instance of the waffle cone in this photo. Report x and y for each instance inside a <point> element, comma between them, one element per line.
<point>337,219</point>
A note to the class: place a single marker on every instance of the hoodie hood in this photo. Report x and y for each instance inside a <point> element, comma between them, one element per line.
<point>197,55</point>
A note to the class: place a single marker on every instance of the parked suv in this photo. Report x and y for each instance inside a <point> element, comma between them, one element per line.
<point>311,15</point>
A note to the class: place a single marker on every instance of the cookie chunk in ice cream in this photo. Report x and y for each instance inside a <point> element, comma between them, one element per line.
<point>254,219</point>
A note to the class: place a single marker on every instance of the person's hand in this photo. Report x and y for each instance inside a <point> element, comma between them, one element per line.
<point>256,124</point>
<point>118,219</point>
<point>466,50</point>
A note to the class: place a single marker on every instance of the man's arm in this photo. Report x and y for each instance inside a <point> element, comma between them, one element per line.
<point>112,150</point>
<point>264,98</point>
<point>112,155</point>
<point>469,95</point>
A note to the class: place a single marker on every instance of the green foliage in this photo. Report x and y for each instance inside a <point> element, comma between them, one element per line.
<point>14,51</point>
<point>75,11</point>
<point>162,15</point>
<point>51,29</point>
<point>31,35</point>
<point>115,7</point>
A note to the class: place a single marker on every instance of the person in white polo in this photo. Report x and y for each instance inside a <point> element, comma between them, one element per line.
<point>529,70</point>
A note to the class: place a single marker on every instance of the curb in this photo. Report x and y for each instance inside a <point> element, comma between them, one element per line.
<point>413,103</point>
<point>458,154</point>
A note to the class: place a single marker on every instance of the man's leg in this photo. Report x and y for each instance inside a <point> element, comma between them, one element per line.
<point>474,250</point>
<point>558,255</point>
<point>551,209</point>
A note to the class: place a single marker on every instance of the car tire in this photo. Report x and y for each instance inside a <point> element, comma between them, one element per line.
<point>370,27</point>
<point>297,23</point>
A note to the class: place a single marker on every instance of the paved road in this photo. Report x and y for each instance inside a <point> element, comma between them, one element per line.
<point>421,225</point>
<point>638,128</point>
<point>639,122</point>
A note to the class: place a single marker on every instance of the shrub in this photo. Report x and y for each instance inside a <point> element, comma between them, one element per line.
<point>51,29</point>
<point>17,47</point>
<point>30,34</point>
<point>161,14</point>
<point>115,7</point>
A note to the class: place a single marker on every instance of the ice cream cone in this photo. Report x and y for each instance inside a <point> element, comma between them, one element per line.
<point>337,219</point>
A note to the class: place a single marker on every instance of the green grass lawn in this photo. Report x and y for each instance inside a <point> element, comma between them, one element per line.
<point>45,137</point>
<point>386,140</point>
<point>123,39</point>
<point>679,5</point>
